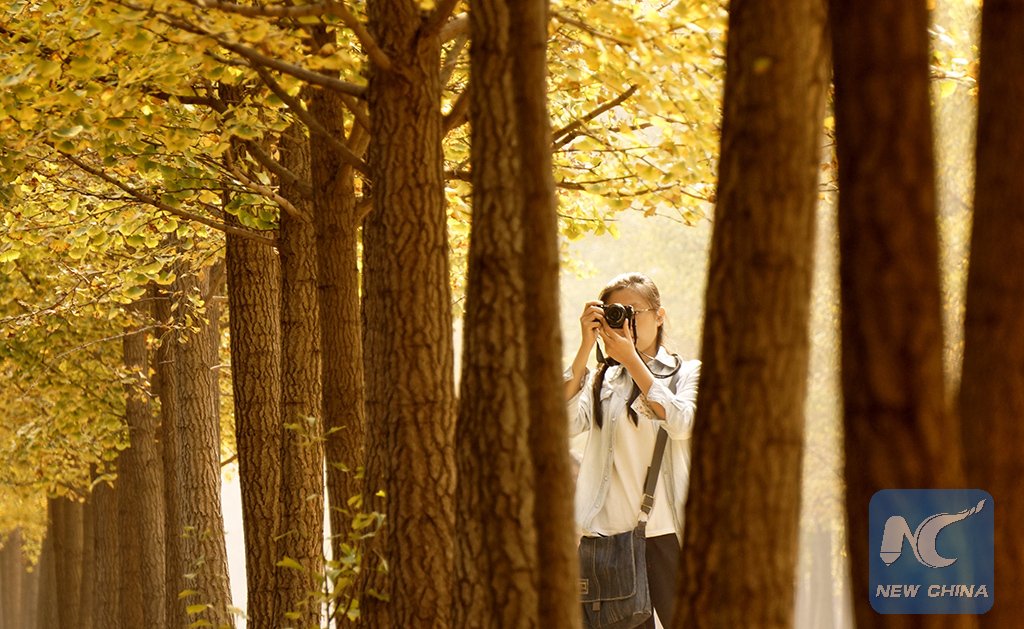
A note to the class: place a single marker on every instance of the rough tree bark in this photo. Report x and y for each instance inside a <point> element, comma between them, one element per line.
<point>166,387</point>
<point>897,429</point>
<point>337,226</point>
<point>66,524</point>
<point>12,569</point>
<point>254,295</point>
<point>496,564</point>
<point>748,434</point>
<point>107,605</point>
<point>553,513</point>
<point>992,386</point>
<point>302,454</point>
<point>202,545</point>
<point>140,495</point>
<point>410,401</point>
<point>47,599</point>
<point>88,592</point>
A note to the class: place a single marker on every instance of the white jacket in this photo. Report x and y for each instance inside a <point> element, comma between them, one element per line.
<point>680,407</point>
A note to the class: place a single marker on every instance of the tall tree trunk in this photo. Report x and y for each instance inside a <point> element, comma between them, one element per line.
<point>553,511</point>
<point>897,429</point>
<point>30,598</point>
<point>407,312</point>
<point>66,524</point>
<point>48,600</point>
<point>254,294</point>
<point>88,593</point>
<point>202,546</point>
<point>496,556</point>
<point>748,434</point>
<point>140,478</point>
<point>12,569</point>
<point>166,386</point>
<point>302,454</point>
<point>337,226</point>
<point>107,606</point>
<point>992,386</point>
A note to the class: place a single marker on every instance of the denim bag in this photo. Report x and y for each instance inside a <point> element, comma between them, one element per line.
<point>613,569</point>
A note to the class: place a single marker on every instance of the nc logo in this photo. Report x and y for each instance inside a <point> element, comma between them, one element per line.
<point>922,541</point>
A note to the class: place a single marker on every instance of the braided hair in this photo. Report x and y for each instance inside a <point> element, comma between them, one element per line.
<point>647,289</point>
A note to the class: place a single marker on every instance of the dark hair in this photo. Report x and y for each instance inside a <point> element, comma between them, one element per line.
<point>649,291</point>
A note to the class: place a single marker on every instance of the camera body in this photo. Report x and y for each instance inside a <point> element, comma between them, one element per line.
<point>617,315</point>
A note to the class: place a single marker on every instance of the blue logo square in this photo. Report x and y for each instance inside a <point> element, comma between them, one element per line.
<point>931,551</point>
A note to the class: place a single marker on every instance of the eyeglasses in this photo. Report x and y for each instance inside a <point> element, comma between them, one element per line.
<point>635,310</point>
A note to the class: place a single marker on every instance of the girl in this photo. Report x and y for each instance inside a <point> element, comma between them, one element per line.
<point>638,389</point>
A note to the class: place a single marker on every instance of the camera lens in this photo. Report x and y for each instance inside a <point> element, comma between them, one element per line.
<point>615,315</point>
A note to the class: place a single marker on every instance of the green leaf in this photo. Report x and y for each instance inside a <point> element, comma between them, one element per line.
<point>288,562</point>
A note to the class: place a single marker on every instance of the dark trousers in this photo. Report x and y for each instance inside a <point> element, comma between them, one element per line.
<point>663,576</point>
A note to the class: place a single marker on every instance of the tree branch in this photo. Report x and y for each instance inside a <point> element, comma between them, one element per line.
<point>274,166</point>
<point>145,198</point>
<point>373,50</point>
<point>268,192</point>
<point>310,121</point>
<point>565,135</point>
<point>256,58</point>
<point>437,20</point>
<point>452,58</point>
<point>456,27</point>
<point>459,113</point>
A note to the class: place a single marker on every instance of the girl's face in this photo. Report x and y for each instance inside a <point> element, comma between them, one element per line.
<point>647,319</point>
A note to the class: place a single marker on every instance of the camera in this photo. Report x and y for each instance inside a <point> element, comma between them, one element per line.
<point>617,315</point>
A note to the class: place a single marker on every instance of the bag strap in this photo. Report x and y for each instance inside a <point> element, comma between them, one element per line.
<point>647,503</point>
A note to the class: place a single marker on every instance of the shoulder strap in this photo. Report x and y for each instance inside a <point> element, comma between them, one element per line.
<point>647,504</point>
<point>651,482</point>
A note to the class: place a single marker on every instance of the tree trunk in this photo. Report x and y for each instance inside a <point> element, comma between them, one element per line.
<point>88,593</point>
<point>48,600</point>
<point>107,606</point>
<point>302,455</point>
<point>202,546</point>
<point>992,386</point>
<point>496,556</point>
<point>12,569</point>
<point>166,386</point>
<point>748,434</point>
<point>66,523</point>
<point>407,312</point>
<point>30,598</point>
<point>254,294</point>
<point>897,429</point>
<point>553,512</point>
<point>337,225</point>
<point>140,478</point>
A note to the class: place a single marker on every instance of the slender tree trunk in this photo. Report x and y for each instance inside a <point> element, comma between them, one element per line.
<point>302,455</point>
<point>203,548</point>
<point>496,556</point>
<point>992,386</point>
<point>12,569</point>
<point>107,606</point>
<point>897,429</point>
<point>88,594</point>
<point>553,513</point>
<point>66,523</point>
<point>748,433</point>
<point>337,226</point>
<point>407,312</point>
<point>254,294</point>
<point>166,386</point>
<point>140,477</point>
<point>30,598</point>
<point>48,600</point>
